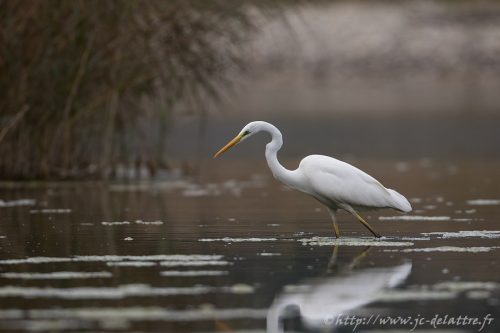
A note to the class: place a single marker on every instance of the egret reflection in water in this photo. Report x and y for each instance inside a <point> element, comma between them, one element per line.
<point>317,302</point>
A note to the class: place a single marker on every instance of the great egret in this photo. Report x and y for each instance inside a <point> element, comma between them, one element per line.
<point>336,184</point>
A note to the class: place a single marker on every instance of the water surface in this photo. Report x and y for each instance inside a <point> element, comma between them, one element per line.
<point>235,251</point>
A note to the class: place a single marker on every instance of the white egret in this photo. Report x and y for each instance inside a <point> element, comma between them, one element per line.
<point>336,184</point>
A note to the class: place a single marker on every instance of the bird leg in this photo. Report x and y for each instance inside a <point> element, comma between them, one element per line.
<point>335,224</point>
<point>332,264</point>
<point>360,219</point>
<point>357,260</point>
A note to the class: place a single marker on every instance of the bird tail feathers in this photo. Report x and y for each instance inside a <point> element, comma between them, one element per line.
<point>400,202</point>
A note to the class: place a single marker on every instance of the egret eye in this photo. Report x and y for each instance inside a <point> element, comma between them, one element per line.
<point>245,133</point>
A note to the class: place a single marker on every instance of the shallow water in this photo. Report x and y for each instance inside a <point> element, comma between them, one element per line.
<point>238,252</point>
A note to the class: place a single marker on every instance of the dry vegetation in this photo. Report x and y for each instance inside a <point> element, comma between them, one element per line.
<point>77,75</point>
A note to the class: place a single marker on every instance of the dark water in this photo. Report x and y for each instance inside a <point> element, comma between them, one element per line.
<point>237,252</point>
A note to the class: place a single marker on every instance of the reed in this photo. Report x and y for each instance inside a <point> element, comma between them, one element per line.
<point>77,77</point>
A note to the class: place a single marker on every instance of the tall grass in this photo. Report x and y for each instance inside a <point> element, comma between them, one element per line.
<point>75,77</point>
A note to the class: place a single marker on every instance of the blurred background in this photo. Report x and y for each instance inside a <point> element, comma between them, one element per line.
<point>119,89</point>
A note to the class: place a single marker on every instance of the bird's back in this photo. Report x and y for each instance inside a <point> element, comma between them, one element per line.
<point>342,183</point>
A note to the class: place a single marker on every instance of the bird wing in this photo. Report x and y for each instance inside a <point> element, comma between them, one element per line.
<point>342,183</point>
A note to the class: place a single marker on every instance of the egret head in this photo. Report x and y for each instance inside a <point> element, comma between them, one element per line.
<point>247,131</point>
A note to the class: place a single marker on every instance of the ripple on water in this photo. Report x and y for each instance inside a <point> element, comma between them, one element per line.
<point>472,249</point>
<point>52,325</point>
<point>414,218</point>
<point>131,263</point>
<point>193,273</point>
<point>56,275</point>
<point>466,233</point>
<point>149,222</point>
<point>118,292</point>
<point>51,211</point>
<point>190,189</point>
<point>115,223</point>
<point>467,285</point>
<point>112,258</point>
<point>176,263</point>
<point>137,313</point>
<point>483,202</point>
<point>238,240</point>
<point>346,241</point>
<point>19,202</point>
<point>415,295</point>
<point>440,291</point>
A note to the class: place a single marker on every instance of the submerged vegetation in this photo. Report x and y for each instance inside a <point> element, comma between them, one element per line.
<point>80,77</point>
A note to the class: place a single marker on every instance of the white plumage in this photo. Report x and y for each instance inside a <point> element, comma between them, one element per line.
<point>336,184</point>
<point>342,183</point>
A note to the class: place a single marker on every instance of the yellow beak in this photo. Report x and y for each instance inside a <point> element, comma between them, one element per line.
<point>230,144</point>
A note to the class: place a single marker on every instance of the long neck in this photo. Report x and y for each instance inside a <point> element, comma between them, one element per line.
<point>279,172</point>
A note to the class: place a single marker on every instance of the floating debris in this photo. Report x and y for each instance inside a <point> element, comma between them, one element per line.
<point>242,288</point>
<point>11,314</point>
<point>19,202</point>
<point>414,218</point>
<point>238,240</point>
<point>466,233</point>
<point>52,325</point>
<point>56,275</point>
<point>157,257</point>
<point>136,313</point>
<point>136,222</point>
<point>440,291</point>
<point>483,202</point>
<point>193,273</point>
<point>329,241</point>
<point>116,223</point>
<point>51,211</point>
<point>175,263</point>
<point>412,238</point>
<point>131,263</point>
<point>478,294</point>
<point>149,222</point>
<point>119,292</point>
<point>473,249</point>
<point>111,258</point>
<point>466,285</point>
<point>34,260</point>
